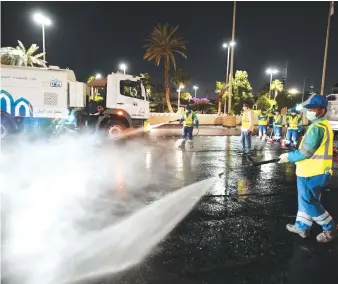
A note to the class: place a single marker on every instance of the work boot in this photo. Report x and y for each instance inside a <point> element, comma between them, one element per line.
<point>292,228</point>
<point>191,144</point>
<point>327,236</point>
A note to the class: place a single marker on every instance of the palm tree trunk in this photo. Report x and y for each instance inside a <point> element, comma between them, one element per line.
<point>166,84</point>
<point>276,92</point>
<point>219,103</point>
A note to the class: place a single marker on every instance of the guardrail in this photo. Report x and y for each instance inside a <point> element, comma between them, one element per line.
<point>208,119</point>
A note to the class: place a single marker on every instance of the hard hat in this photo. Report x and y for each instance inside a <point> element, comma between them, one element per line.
<point>317,101</point>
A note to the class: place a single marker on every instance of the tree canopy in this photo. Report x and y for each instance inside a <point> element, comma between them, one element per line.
<point>242,91</point>
<point>21,56</point>
<point>163,43</point>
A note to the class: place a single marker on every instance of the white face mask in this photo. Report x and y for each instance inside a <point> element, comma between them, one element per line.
<point>245,108</point>
<point>311,115</point>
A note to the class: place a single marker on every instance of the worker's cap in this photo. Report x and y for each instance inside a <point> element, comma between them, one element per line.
<point>293,110</point>
<point>187,106</point>
<point>317,101</point>
<point>245,105</point>
<point>263,109</point>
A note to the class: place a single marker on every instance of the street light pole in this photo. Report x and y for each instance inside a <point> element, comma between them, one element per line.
<point>43,21</point>
<point>195,88</point>
<point>303,89</point>
<point>271,72</point>
<point>43,42</point>
<point>123,67</point>
<point>232,55</point>
<point>270,85</point>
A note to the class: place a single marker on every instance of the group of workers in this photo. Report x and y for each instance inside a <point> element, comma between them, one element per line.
<point>313,161</point>
<point>274,120</point>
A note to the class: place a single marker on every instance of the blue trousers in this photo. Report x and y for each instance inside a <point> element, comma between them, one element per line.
<point>309,208</point>
<point>262,130</point>
<point>187,131</point>
<point>277,132</point>
<point>292,134</point>
<point>246,139</point>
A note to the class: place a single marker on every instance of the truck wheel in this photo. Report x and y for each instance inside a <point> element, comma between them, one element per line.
<point>115,129</point>
<point>5,129</point>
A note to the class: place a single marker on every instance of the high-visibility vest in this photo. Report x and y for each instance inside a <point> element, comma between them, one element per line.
<point>293,122</point>
<point>277,119</point>
<point>263,119</point>
<point>321,161</point>
<point>188,119</point>
<point>245,119</point>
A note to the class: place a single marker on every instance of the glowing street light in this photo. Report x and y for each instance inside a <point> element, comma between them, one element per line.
<point>179,96</point>
<point>271,72</point>
<point>43,21</point>
<point>98,76</point>
<point>227,45</point>
<point>293,91</point>
<point>123,67</point>
<point>195,88</point>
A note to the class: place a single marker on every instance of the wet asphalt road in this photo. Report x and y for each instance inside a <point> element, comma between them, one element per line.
<point>236,234</point>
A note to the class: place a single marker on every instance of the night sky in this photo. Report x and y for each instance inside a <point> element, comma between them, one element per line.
<point>91,37</point>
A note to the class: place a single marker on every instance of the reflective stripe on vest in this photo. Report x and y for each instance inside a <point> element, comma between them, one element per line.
<point>245,119</point>
<point>277,119</point>
<point>321,161</point>
<point>263,120</point>
<point>293,122</point>
<point>188,120</point>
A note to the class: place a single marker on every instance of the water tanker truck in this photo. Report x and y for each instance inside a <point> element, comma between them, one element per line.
<point>49,99</point>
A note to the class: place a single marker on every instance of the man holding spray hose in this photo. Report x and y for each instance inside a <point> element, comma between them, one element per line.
<point>313,169</point>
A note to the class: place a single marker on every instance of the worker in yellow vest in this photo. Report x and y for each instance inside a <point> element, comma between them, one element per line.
<point>277,125</point>
<point>292,121</point>
<point>189,119</point>
<point>247,128</point>
<point>313,169</point>
<point>263,120</point>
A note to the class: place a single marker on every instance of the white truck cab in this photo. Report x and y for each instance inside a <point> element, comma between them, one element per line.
<point>332,111</point>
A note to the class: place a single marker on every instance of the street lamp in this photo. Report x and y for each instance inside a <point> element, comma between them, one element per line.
<point>271,72</point>
<point>43,21</point>
<point>293,91</point>
<point>227,45</point>
<point>179,96</point>
<point>98,76</point>
<point>123,67</point>
<point>195,88</point>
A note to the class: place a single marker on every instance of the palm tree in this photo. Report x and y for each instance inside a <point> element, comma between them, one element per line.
<point>277,86</point>
<point>164,43</point>
<point>221,91</point>
<point>22,57</point>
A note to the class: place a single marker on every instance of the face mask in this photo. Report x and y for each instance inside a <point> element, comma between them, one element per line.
<point>311,115</point>
<point>245,108</point>
<point>293,113</point>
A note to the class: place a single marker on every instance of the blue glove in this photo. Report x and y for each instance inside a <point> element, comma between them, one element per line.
<point>300,128</point>
<point>196,123</point>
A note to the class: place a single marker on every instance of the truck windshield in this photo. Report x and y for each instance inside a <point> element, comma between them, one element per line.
<point>131,89</point>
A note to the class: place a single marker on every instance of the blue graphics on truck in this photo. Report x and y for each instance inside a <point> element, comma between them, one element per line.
<point>55,83</point>
<point>20,107</point>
